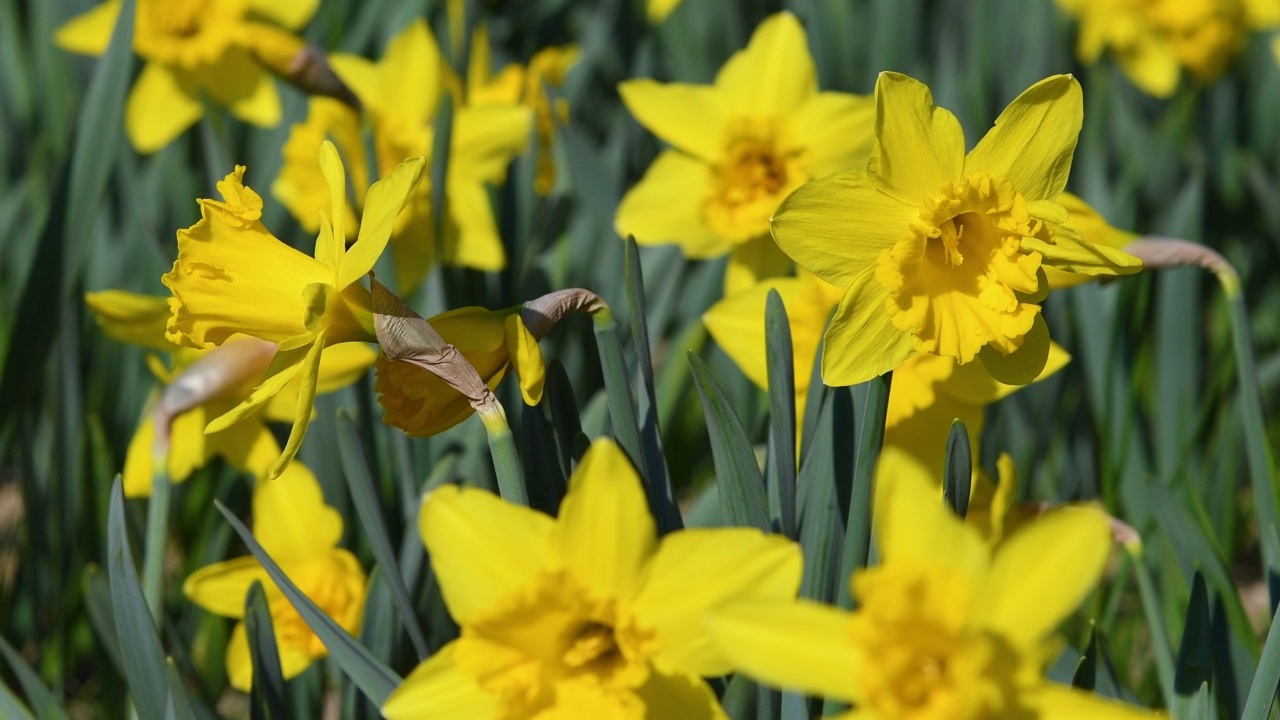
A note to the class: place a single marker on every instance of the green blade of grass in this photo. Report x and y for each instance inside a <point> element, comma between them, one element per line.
<point>375,679</point>
<point>1193,667</point>
<point>266,698</point>
<point>857,540</point>
<point>782,409</point>
<point>742,491</point>
<point>1262,693</point>
<point>43,702</point>
<point>12,707</point>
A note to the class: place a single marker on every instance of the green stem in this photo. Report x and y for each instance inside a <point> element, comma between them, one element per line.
<point>622,408</point>
<point>1155,624</point>
<point>157,532</point>
<point>506,462</point>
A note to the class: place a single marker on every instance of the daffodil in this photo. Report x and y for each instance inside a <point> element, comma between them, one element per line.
<point>402,94</point>
<point>301,186</point>
<point>422,404</point>
<point>586,615</point>
<point>946,627</point>
<point>222,378</point>
<point>1152,40</point>
<point>941,252</point>
<point>233,276</point>
<point>301,534</point>
<point>739,147</point>
<point>193,49</point>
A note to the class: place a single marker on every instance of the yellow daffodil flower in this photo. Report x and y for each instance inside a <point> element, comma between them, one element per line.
<point>585,615</point>
<point>1152,40</point>
<point>301,534</point>
<point>738,148</point>
<point>423,404</point>
<point>225,377</point>
<point>946,628</point>
<point>402,93</point>
<point>233,276</point>
<point>940,251</point>
<point>192,48</point>
<point>301,186</point>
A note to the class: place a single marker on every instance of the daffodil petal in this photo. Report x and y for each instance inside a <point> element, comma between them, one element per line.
<point>132,318</point>
<point>861,341</point>
<point>220,588</point>
<point>331,244</point>
<point>679,695</point>
<point>248,446</point>
<point>605,532</point>
<point>483,550</point>
<point>162,104</point>
<point>837,226</point>
<point>1072,253</point>
<point>1024,365</point>
<point>438,688</point>
<point>736,323</point>
<point>476,243</point>
<point>292,14</point>
<point>290,518</point>
<point>972,384</point>
<point>189,447</point>
<point>903,506</point>
<point>798,645</point>
<point>774,75</point>
<point>1094,229</point>
<point>526,360</point>
<point>1041,573</point>
<point>360,74</point>
<point>1033,140</point>
<point>920,146</point>
<point>89,33</point>
<point>918,442</point>
<point>340,365</point>
<point>383,204</point>
<point>308,372</point>
<point>839,130</point>
<point>137,476</point>
<point>485,140</point>
<point>1152,65</point>
<point>239,662</point>
<point>408,78</point>
<point>691,118</point>
<point>244,86</point>
<point>753,261</point>
<point>1050,701</point>
<point>284,367</point>
<point>695,571</point>
<point>666,207</point>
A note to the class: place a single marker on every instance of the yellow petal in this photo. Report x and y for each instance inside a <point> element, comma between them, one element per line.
<point>754,261</point>
<point>189,449</point>
<point>331,244</point>
<point>137,475</point>
<point>696,571</point>
<point>485,139</point>
<point>1152,65</point>
<point>920,145</point>
<point>292,14</point>
<point>131,318</point>
<point>300,186</point>
<point>526,359</point>
<point>474,242</point>
<point>666,206</point>
<point>972,384</point>
<point>284,368</point>
<point>861,341</point>
<point>838,129</point>
<point>605,532</point>
<point>1070,252</point>
<point>1095,231</point>
<point>161,106</point>
<point>89,33</point>
<point>290,518</point>
<point>438,688</point>
<point>308,373</point>
<point>913,525</point>
<point>220,588</point>
<point>239,661</point>
<point>1050,701</point>
<point>917,443</point>
<point>800,645</point>
<point>774,75</point>
<point>679,695</point>
<point>340,365</point>
<point>837,226</point>
<point>1024,365</point>
<point>483,550</point>
<point>240,83</point>
<point>248,446</point>
<point>360,74</point>
<point>1034,139</point>
<point>408,78</point>
<point>383,204</point>
<point>1042,573</point>
<point>691,118</point>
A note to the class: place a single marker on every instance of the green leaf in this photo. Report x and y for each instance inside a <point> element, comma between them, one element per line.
<point>375,680</point>
<point>740,698</point>
<point>544,476</point>
<point>782,410</point>
<point>564,414</point>
<point>742,491</point>
<point>145,669</point>
<point>1086,675</point>
<point>356,469</point>
<point>266,699</point>
<point>822,515</point>
<point>874,395</point>
<point>12,707</point>
<point>958,469</point>
<point>1266,680</point>
<point>42,701</point>
<point>1194,663</point>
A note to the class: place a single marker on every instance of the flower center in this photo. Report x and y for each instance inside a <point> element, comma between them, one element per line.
<point>323,582</point>
<point>957,278</point>
<point>186,33</point>
<point>755,173</point>
<point>554,637</point>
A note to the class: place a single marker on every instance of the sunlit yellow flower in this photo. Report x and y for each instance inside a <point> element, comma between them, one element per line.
<point>658,10</point>
<point>1152,40</point>
<point>946,629</point>
<point>422,404</point>
<point>587,615</point>
<point>402,93</point>
<point>226,376</point>
<point>738,148</point>
<point>233,276</point>
<point>941,251</point>
<point>301,186</point>
<point>193,48</point>
<point>301,534</point>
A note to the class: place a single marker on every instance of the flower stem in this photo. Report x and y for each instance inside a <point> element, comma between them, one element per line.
<point>506,462</point>
<point>157,532</point>
<point>1163,650</point>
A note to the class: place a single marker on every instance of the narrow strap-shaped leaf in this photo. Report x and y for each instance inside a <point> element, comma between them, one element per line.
<point>742,491</point>
<point>617,385</point>
<point>564,414</point>
<point>958,469</point>
<point>375,680</point>
<point>12,707</point>
<point>356,469</point>
<point>544,475</point>
<point>143,658</point>
<point>1086,674</point>
<point>1162,649</point>
<point>43,703</point>
<point>1194,663</point>
<point>857,539</point>
<point>782,409</point>
<point>267,698</point>
<point>821,513</point>
<point>1262,694</point>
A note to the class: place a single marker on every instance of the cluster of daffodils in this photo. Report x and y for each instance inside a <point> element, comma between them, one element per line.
<point>894,250</point>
